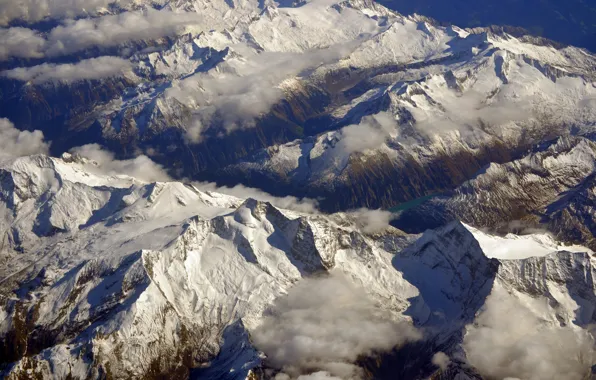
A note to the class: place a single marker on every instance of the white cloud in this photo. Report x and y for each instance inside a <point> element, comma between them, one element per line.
<point>370,133</point>
<point>20,43</point>
<point>106,31</point>
<point>464,111</point>
<point>512,340</point>
<point>114,30</point>
<point>250,88</point>
<point>140,167</point>
<point>14,143</point>
<point>321,375</point>
<point>323,325</point>
<point>371,221</point>
<point>95,68</point>
<point>441,360</point>
<point>306,205</point>
<point>35,10</point>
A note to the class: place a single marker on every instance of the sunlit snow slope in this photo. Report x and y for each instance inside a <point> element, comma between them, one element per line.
<point>111,277</point>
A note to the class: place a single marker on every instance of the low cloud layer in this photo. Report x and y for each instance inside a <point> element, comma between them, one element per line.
<point>251,88</point>
<point>95,68</point>
<point>321,375</point>
<point>306,205</point>
<point>140,167</point>
<point>15,143</point>
<point>370,133</point>
<point>36,10</point>
<point>20,43</point>
<point>105,31</point>
<point>510,340</point>
<point>371,221</point>
<point>114,30</point>
<point>321,328</point>
<point>441,360</point>
<point>468,110</point>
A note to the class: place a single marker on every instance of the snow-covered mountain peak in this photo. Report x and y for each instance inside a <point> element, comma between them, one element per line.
<point>112,275</point>
<point>513,247</point>
<point>128,278</point>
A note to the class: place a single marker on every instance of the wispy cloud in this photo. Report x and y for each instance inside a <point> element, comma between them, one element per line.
<point>140,167</point>
<point>441,360</point>
<point>114,30</point>
<point>370,133</point>
<point>106,31</point>
<point>371,221</point>
<point>306,205</point>
<point>36,10</point>
<point>322,326</point>
<point>510,339</point>
<point>252,85</point>
<point>95,68</point>
<point>465,111</point>
<point>14,143</point>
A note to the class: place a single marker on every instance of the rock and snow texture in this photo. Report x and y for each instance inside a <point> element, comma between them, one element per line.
<point>114,275</point>
<point>104,275</point>
<point>550,188</point>
<point>291,86</point>
<point>447,92</point>
<point>111,276</point>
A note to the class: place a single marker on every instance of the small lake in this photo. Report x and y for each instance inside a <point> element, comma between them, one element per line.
<point>413,203</point>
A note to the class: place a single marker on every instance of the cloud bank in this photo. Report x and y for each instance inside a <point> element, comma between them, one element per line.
<point>95,68</point>
<point>106,31</point>
<point>370,133</point>
<point>36,10</point>
<point>20,43</point>
<point>321,328</point>
<point>509,340</point>
<point>15,143</point>
<point>250,88</point>
<point>140,167</point>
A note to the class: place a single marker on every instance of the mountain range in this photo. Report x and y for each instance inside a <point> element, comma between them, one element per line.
<point>265,98</point>
<point>569,22</point>
<point>324,189</point>
<point>113,277</point>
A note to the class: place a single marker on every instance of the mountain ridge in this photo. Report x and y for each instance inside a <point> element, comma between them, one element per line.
<point>194,80</point>
<point>91,292</point>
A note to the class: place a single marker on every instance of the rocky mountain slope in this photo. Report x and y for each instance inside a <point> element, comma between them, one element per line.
<point>550,188</point>
<point>277,95</point>
<point>106,276</point>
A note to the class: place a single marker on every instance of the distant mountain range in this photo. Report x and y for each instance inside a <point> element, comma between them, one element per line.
<point>373,111</point>
<point>570,22</point>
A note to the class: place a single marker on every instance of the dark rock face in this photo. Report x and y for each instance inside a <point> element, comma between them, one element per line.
<point>542,189</point>
<point>68,116</point>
